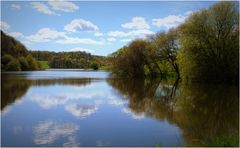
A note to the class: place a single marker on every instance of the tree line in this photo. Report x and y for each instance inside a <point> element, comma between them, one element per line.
<point>77,59</point>
<point>16,57</point>
<point>204,48</point>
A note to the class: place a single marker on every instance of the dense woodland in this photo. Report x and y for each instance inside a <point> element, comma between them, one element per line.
<point>76,59</point>
<point>205,48</point>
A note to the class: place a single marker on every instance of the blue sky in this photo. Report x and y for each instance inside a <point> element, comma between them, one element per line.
<point>96,27</point>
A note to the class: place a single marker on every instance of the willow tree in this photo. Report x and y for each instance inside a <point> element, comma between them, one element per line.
<point>134,59</point>
<point>166,46</point>
<point>210,44</point>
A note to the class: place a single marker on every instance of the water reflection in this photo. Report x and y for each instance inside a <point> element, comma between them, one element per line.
<point>47,132</point>
<point>79,110</point>
<point>12,89</point>
<point>201,112</point>
<point>206,112</point>
<point>15,88</point>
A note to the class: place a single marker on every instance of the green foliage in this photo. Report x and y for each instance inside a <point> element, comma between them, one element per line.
<point>94,66</point>
<point>13,65</point>
<point>210,44</point>
<point>130,61</point>
<point>167,46</point>
<point>32,62</point>
<point>44,64</point>
<point>148,58</point>
<point>24,64</point>
<point>76,59</point>
<point>6,59</point>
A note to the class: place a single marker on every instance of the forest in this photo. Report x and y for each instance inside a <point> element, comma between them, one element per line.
<point>77,59</point>
<point>205,48</point>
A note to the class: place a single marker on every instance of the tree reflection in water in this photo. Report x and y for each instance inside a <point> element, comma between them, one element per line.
<point>202,112</point>
<point>13,88</point>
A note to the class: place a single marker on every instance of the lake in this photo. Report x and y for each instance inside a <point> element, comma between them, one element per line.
<point>87,108</point>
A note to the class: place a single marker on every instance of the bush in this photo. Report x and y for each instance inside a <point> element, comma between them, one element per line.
<point>6,59</point>
<point>94,66</point>
<point>32,62</point>
<point>24,64</point>
<point>13,65</point>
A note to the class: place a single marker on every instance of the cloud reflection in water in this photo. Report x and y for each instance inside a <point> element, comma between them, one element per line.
<point>81,111</point>
<point>133,115</point>
<point>47,132</point>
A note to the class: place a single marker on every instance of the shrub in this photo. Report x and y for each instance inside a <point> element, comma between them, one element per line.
<point>94,66</point>
<point>24,64</point>
<point>13,65</point>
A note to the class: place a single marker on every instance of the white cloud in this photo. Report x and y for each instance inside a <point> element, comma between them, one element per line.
<point>98,34</point>
<point>45,35</point>
<point>81,111</point>
<point>82,49</point>
<point>42,8</point>
<point>16,7</point>
<point>125,40</point>
<point>78,25</point>
<point>135,33</point>
<point>64,6</point>
<point>136,23</point>
<point>48,132</point>
<point>76,40</point>
<point>4,26</point>
<point>171,20</point>
<point>140,33</point>
<point>111,39</point>
<point>117,34</point>
<point>16,34</point>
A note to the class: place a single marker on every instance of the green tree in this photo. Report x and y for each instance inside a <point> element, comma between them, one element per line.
<point>32,62</point>
<point>166,46</point>
<point>94,66</point>
<point>210,44</point>
<point>24,64</point>
<point>129,61</point>
<point>138,59</point>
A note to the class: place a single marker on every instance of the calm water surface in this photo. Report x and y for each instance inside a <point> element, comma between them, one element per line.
<point>85,108</point>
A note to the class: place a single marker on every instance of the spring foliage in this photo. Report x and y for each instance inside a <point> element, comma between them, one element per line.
<point>205,48</point>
